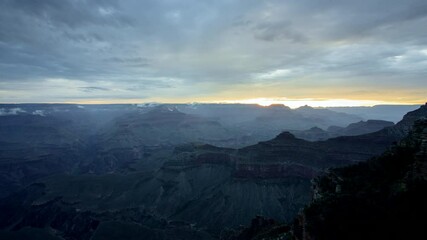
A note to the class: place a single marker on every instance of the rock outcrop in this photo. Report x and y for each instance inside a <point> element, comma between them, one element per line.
<point>201,189</point>
<point>379,199</point>
<point>382,198</point>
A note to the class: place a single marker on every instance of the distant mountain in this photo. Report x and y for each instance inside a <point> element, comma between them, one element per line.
<point>136,135</point>
<point>323,113</point>
<point>335,151</point>
<point>353,129</point>
<point>234,114</point>
<point>199,190</point>
<point>314,134</point>
<point>391,113</point>
<point>38,140</point>
<point>362,127</point>
<point>162,125</point>
<point>303,117</point>
<point>382,198</point>
<point>277,118</point>
<point>127,137</point>
<point>379,199</point>
<point>245,124</point>
<point>148,171</point>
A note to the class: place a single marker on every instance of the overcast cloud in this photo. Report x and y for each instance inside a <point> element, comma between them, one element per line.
<point>196,50</point>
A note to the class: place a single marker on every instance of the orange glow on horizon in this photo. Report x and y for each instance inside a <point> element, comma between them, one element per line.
<point>292,103</point>
<point>295,103</point>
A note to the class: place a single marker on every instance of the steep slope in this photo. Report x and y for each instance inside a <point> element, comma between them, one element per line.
<point>363,127</point>
<point>361,147</point>
<point>254,123</point>
<point>163,125</point>
<point>326,116</point>
<point>33,146</point>
<point>353,129</point>
<point>383,198</point>
<point>38,140</point>
<point>58,219</point>
<point>278,118</point>
<point>238,114</point>
<point>201,187</point>
<point>313,134</point>
<point>379,199</point>
<point>144,135</point>
<point>200,179</point>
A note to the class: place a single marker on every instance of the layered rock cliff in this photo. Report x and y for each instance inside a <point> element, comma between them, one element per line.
<point>200,189</point>
<point>383,198</point>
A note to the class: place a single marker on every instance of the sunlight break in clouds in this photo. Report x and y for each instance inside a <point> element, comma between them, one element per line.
<point>194,50</point>
<point>279,73</point>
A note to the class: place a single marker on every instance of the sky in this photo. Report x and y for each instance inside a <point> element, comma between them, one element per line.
<point>323,52</point>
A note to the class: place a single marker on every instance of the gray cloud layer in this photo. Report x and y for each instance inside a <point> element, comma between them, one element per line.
<point>179,49</point>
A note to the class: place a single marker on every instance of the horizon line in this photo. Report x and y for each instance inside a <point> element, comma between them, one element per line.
<point>206,103</point>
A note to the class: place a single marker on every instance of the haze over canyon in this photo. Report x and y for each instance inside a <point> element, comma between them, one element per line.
<point>225,119</point>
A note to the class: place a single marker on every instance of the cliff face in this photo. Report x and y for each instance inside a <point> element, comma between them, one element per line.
<point>266,171</point>
<point>382,198</point>
<point>34,146</point>
<point>202,188</point>
<point>59,219</point>
<point>353,129</point>
<point>379,199</point>
<point>362,127</point>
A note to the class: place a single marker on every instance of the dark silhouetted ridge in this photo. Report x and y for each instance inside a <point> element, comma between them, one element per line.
<point>285,136</point>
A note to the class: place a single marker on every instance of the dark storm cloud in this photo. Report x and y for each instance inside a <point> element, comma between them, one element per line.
<point>132,48</point>
<point>67,13</point>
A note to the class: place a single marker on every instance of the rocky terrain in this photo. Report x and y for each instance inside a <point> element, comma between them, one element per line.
<point>39,140</point>
<point>381,198</point>
<point>353,129</point>
<point>191,191</point>
<point>378,199</point>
